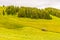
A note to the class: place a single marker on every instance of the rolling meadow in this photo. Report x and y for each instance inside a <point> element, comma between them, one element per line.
<point>27,23</point>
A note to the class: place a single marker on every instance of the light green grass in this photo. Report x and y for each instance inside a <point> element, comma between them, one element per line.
<point>30,29</point>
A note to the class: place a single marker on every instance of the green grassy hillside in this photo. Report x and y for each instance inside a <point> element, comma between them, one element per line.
<point>14,28</point>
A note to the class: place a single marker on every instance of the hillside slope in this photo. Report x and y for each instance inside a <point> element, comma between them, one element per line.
<point>13,28</point>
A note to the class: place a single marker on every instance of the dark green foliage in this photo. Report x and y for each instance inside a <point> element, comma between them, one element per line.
<point>45,15</point>
<point>3,12</point>
<point>33,13</point>
<point>53,11</point>
<point>11,10</point>
<point>21,12</point>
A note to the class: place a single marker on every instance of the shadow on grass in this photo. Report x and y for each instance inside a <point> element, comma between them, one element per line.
<point>15,27</point>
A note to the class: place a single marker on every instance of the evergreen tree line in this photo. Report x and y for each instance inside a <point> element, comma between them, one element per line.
<point>33,13</point>
<point>30,12</point>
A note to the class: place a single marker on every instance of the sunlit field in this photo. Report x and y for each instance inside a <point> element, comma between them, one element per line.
<point>24,27</point>
<point>29,19</point>
<point>29,29</point>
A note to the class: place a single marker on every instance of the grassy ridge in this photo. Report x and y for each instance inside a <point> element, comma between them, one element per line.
<point>31,28</point>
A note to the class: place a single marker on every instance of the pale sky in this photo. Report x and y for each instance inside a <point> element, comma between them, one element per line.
<point>32,3</point>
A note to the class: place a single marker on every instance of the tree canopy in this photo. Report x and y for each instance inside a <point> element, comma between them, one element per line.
<point>32,12</point>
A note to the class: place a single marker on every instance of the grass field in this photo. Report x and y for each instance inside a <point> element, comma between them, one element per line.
<point>14,28</point>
